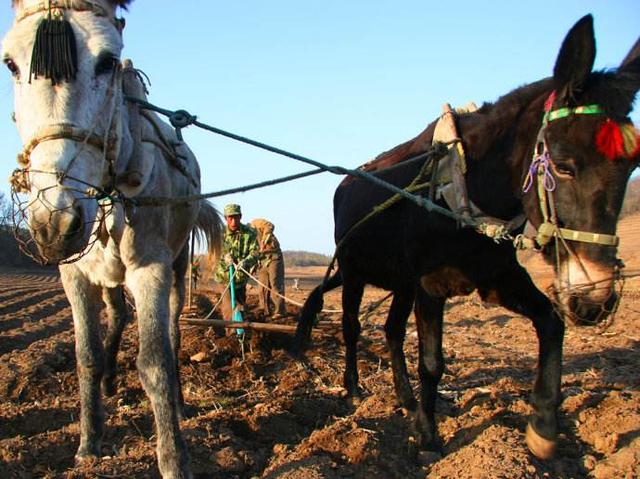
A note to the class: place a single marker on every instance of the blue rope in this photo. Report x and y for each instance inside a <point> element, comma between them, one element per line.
<point>181,119</point>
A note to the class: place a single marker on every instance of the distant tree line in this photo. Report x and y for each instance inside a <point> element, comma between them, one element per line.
<point>10,254</point>
<point>305,258</point>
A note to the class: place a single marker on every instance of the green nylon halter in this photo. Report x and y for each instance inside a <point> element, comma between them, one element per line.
<point>568,111</point>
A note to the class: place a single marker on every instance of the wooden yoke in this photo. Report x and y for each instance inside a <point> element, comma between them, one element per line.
<point>446,131</point>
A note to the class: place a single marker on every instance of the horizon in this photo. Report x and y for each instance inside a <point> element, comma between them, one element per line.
<point>338,83</point>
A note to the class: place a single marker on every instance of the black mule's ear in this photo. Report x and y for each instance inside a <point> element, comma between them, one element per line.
<point>629,73</point>
<point>575,60</point>
<point>632,61</point>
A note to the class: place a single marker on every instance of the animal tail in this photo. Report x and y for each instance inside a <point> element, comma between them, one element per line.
<point>209,228</point>
<point>310,309</point>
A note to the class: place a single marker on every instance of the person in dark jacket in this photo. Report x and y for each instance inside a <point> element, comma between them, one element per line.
<point>270,269</point>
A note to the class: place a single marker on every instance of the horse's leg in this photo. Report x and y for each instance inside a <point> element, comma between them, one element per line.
<point>429,316</point>
<point>117,317</point>
<point>151,287</point>
<point>85,306</point>
<point>352,290</point>
<point>517,292</point>
<point>176,303</point>
<point>395,329</point>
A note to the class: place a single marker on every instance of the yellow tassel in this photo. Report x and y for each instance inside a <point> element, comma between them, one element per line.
<point>631,138</point>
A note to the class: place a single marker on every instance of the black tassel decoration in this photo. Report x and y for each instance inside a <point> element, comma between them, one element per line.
<point>54,53</point>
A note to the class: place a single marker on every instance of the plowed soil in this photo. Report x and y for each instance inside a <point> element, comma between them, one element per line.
<point>263,414</point>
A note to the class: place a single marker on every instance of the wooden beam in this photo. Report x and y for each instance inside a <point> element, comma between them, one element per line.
<point>278,328</point>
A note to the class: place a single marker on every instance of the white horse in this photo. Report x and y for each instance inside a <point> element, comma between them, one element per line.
<point>85,147</point>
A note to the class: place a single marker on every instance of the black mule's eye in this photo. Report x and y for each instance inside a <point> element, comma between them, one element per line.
<point>106,63</point>
<point>13,68</point>
<point>564,169</point>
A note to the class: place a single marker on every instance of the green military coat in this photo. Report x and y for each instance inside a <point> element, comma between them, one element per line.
<point>243,246</point>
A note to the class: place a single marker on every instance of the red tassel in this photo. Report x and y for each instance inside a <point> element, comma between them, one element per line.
<point>548,104</point>
<point>609,140</point>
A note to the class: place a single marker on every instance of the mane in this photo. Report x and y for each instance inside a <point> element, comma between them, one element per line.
<point>496,117</point>
<point>402,152</point>
<point>17,4</point>
<point>494,120</point>
<point>613,90</point>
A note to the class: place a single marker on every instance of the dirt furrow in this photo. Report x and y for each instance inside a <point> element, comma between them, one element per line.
<point>23,372</point>
<point>31,317</point>
<point>23,290</point>
<point>29,299</point>
<point>38,321</point>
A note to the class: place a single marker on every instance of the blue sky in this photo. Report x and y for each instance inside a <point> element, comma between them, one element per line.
<point>337,81</point>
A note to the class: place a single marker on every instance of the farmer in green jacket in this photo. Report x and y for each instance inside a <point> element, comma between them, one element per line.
<point>239,248</point>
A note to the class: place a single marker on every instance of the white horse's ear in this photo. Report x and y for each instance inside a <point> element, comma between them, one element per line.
<point>120,23</point>
<point>117,3</point>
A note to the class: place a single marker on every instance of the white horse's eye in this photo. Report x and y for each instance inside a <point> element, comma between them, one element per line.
<point>106,64</point>
<point>13,68</point>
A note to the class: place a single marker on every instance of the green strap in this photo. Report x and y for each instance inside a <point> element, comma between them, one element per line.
<point>567,111</point>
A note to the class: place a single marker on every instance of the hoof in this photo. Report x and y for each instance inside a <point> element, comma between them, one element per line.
<point>539,446</point>
<point>354,400</point>
<point>109,387</point>
<point>427,458</point>
<point>83,457</point>
<point>186,411</point>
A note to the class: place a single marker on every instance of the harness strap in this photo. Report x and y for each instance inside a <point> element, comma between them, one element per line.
<point>567,111</point>
<point>546,231</point>
<point>63,131</point>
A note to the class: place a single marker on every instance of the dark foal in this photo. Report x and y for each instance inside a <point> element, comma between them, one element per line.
<point>425,258</point>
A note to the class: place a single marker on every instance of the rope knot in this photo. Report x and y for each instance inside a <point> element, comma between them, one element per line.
<point>180,119</point>
<point>540,166</point>
<point>19,181</point>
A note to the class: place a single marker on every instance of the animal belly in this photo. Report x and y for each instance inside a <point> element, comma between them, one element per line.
<point>447,282</point>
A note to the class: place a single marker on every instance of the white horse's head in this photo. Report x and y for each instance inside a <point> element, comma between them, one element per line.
<point>64,56</point>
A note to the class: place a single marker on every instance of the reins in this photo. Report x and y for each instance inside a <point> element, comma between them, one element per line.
<point>539,171</point>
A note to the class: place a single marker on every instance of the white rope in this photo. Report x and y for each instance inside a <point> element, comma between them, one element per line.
<point>288,300</point>
<point>235,270</point>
